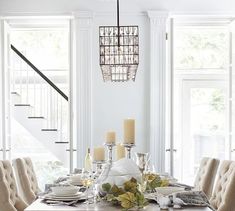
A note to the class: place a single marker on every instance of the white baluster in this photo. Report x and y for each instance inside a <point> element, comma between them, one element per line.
<point>27,85</point>
<point>13,71</point>
<point>57,112</point>
<point>47,93</point>
<point>41,97</point>
<point>51,117</point>
<point>34,92</point>
<point>20,79</point>
<point>61,119</point>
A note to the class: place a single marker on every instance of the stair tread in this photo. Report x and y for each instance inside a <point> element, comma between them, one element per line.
<point>15,93</point>
<point>36,117</point>
<point>22,105</point>
<point>61,142</point>
<point>49,129</point>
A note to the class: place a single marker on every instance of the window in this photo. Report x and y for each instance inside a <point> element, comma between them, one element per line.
<point>201,56</point>
<point>201,48</point>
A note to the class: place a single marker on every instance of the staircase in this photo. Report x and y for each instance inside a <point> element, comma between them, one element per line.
<point>39,106</point>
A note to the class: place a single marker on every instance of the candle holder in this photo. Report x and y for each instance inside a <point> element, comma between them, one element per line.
<point>110,151</point>
<point>128,149</point>
<point>98,166</point>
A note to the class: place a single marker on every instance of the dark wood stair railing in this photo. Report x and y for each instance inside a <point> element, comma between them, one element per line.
<point>39,72</point>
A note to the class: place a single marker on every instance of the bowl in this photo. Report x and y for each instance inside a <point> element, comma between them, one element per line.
<point>75,178</point>
<point>64,190</point>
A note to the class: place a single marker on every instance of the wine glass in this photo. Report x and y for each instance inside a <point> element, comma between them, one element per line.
<point>87,181</point>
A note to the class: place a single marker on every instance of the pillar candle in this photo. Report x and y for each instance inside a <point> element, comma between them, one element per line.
<point>120,152</point>
<point>99,154</point>
<point>129,131</point>
<point>110,137</point>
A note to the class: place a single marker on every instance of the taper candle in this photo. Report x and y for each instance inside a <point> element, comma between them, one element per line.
<point>129,131</point>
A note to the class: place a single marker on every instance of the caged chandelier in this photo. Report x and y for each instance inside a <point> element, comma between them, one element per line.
<point>119,51</point>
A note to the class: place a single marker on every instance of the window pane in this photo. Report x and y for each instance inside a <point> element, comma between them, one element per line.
<point>47,167</point>
<point>206,123</point>
<point>198,48</point>
<point>47,49</point>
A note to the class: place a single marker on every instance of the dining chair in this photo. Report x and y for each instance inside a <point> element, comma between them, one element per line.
<point>26,178</point>
<point>9,198</point>
<point>206,175</point>
<point>223,195</point>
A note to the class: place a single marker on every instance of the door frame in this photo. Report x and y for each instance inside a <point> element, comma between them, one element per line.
<point>186,20</point>
<point>5,90</point>
<point>29,22</point>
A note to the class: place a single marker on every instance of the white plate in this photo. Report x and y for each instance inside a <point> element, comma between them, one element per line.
<point>66,198</point>
<point>66,195</point>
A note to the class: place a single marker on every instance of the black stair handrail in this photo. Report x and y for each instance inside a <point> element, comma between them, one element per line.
<point>39,72</point>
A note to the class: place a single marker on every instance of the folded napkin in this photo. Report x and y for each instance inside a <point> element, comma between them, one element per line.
<point>177,184</point>
<point>180,199</point>
<point>56,202</point>
<point>121,171</point>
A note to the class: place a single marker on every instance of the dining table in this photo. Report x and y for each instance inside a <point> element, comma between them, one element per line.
<point>38,205</point>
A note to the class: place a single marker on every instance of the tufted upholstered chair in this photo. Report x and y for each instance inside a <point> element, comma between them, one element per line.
<point>26,178</point>
<point>9,198</point>
<point>223,195</point>
<point>206,175</point>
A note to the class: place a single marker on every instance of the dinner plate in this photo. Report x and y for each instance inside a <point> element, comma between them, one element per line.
<point>66,195</point>
<point>64,198</point>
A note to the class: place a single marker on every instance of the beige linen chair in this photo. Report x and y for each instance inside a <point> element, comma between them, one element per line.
<point>206,175</point>
<point>223,197</point>
<point>9,198</point>
<point>26,178</point>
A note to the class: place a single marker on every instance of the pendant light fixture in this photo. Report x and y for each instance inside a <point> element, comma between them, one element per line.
<point>119,51</point>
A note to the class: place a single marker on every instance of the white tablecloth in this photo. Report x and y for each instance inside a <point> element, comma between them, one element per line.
<point>38,206</point>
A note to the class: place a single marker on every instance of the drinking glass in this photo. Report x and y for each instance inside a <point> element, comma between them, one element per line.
<point>87,179</point>
<point>142,159</point>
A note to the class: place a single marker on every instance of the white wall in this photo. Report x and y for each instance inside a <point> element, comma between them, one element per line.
<point>102,106</point>
<point>112,102</point>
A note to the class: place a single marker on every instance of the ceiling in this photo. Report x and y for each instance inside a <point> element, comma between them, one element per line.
<point>110,5</point>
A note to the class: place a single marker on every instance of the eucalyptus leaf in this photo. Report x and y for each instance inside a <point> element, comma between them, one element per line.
<point>106,187</point>
<point>128,200</point>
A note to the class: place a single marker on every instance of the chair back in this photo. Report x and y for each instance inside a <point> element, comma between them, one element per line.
<point>223,195</point>
<point>206,175</point>
<point>26,178</point>
<point>9,198</point>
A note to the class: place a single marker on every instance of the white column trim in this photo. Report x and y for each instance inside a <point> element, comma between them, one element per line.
<point>83,83</point>
<point>2,87</point>
<point>158,23</point>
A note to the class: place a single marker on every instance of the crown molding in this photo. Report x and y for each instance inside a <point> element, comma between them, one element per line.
<point>209,14</point>
<point>152,14</point>
<point>83,14</point>
<point>36,15</point>
<point>108,14</point>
